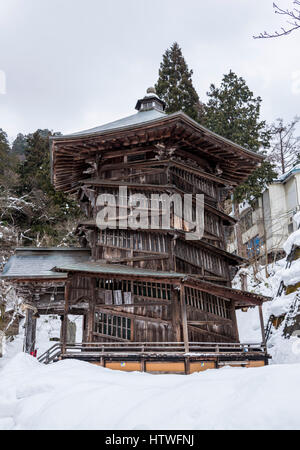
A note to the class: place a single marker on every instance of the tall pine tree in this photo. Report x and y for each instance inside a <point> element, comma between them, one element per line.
<point>35,170</point>
<point>19,146</point>
<point>7,162</point>
<point>4,152</point>
<point>234,113</point>
<point>175,85</point>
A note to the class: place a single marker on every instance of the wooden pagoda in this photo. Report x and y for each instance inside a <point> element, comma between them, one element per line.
<point>151,299</point>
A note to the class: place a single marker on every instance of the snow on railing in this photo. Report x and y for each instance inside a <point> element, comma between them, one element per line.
<point>147,348</point>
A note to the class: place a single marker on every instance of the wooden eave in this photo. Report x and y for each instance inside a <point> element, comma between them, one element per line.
<point>236,162</point>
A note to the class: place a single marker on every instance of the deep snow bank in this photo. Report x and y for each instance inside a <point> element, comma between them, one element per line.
<point>77,395</point>
<point>281,349</point>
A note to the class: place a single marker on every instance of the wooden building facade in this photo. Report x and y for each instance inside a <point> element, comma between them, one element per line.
<point>146,293</point>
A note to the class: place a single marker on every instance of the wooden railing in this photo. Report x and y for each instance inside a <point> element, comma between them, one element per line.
<point>148,348</point>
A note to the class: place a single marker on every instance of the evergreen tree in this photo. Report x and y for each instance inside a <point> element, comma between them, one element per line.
<point>35,170</point>
<point>19,145</point>
<point>35,179</point>
<point>234,113</point>
<point>175,85</point>
<point>4,152</point>
<point>7,162</point>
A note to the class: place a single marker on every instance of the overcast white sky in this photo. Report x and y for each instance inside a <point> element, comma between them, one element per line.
<point>75,64</point>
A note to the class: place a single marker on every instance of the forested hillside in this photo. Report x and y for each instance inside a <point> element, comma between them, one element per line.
<point>31,212</point>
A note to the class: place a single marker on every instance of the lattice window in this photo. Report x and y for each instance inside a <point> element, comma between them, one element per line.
<point>114,326</point>
<point>135,240</point>
<point>141,288</point>
<point>207,302</point>
<point>182,177</point>
<point>153,290</point>
<point>201,258</point>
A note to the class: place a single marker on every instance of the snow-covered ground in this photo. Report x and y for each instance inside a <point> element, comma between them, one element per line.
<point>282,350</point>
<point>78,395</point>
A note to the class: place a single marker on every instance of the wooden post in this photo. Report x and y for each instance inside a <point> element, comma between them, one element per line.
<point>184,319</point>
<point>262,325</point>
<point>175,315</point>
<point>244,281</point>
<point>187,365</point>
<point>91,312</point>
<point>64,333</point>
<point>234,321</point>
<point>30,331</point>
<point>238,231</point>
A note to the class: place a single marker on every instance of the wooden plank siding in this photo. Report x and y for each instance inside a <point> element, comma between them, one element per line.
<point>148,311</point>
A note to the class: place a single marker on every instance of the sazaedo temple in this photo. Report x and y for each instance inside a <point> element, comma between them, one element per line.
<point>151,299</point>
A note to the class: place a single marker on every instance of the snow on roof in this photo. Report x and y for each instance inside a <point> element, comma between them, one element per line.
<point>285,176</point>
<point>151,95</point>
<point>291,276</point>
<point>294,239</point>
<point>296,219</point>
<point>244,206</point>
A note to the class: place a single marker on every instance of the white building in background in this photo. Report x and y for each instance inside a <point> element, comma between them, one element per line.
<point>271,221</point>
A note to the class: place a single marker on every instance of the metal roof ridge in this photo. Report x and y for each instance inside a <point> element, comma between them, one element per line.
<point>98,129</point>
<point>165,117</point>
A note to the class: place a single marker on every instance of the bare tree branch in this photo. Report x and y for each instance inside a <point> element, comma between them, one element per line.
<point>285,147</point>
<point>294,22</point>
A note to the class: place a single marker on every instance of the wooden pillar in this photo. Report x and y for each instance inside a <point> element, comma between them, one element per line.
<point>244,281</point>
<point>187,366</point>
<point>64,332</point>
<point>176,315</point>
<point>184,319</point>
<point>234,321</point>
<point>91,312</point>
<point>84,329</point>
<point>30,331</point>
<point>262,325</point>
<point>238,231</point>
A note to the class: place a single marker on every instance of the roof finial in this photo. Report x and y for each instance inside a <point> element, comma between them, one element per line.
<point>151,90</point>
<point>150,101</point>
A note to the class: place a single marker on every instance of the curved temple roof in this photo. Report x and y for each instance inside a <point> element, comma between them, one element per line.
<point>136,119</point>
<point>149,126</point>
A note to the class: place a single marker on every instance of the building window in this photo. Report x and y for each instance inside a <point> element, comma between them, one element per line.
<point>253,247</point>
<point>291,228</point>
<point>114,326</point>
<point>207,302</point>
